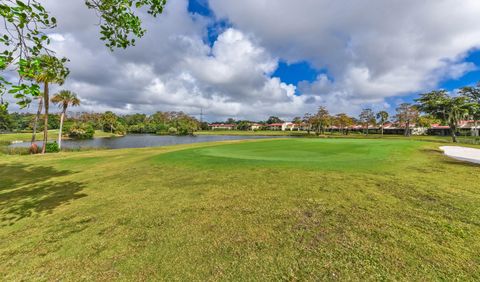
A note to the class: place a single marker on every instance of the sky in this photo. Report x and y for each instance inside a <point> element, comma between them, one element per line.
<point>251,59</point>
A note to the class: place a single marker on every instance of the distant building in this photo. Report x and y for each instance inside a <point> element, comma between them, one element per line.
<point>255,126</point>
<point>281,126</point>
<point>221,126</point>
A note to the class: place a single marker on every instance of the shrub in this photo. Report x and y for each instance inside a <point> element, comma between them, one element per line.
<point>172,131</point>
<point>120,129</point>
<point>52,148</point>
<point>81,131</point>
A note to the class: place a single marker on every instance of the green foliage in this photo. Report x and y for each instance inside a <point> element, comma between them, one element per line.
<point>321,120</point>
<point>119,21</point>
<point>172,131</point>
<point>382,117</point>
<point>24,38</point>
<point>52,147</point>
<point>81,131</point>
<point>450,110</point>
<point>64,99</point>
<point>274,119</point>
<point>6,123</point>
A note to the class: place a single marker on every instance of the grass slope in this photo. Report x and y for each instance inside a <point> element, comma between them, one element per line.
<point>297,209</point>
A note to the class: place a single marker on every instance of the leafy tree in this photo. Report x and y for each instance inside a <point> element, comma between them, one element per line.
<point>344,121</point>
<point>25,27</point>
<point>382,118</point>
<point>274,119</point>
<point>406,115</point>
<point>367,117</point>
<point>321,120</point>
<point>6,123</point>
<point>472,94</point>
<point>109,121</point>
<point>243,125</point>
<point>64,98</point>
<point>81,131</point>
<point>135,119</point>
<point>308,120</point>
<point>426,121</point>
<point>297,121</point>
<point>450,110</point>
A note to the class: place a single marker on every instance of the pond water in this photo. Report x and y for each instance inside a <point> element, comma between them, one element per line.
<point>142,141</point>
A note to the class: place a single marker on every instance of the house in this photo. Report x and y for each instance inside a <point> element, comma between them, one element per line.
<point>221,126</point>
<point>281,126</point>
<point>255,126</point>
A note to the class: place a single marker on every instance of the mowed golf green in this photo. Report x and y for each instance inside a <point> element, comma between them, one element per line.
<point>289,209</point>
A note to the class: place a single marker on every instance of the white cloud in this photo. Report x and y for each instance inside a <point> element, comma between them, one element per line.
<point>371,49</point>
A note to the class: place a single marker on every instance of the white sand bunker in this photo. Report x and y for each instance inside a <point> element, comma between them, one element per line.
<point>462,153</point>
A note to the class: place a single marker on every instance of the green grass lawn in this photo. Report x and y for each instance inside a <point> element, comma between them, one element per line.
<point>26,137</point>
<point>52,135</point>
<point>252,133</point>
<point>287,209</point>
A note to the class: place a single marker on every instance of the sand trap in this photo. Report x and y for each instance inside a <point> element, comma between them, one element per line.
<point>462,153</point>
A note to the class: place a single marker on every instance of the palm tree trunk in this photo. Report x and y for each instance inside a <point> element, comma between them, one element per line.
<point>453,130</point>
<point>37,117</point>
<point>62,116</point>
<point>382,130</point>
<point>45,123</point>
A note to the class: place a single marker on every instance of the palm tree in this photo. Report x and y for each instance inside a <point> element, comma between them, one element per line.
<point>449,110</point>
<point>37,117</point>
<point>382,116</point>
<point>51,70</point>
<point>367,117</point>
<point>64,99</point>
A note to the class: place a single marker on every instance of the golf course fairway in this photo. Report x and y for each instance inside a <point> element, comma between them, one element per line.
<point>286,209</point>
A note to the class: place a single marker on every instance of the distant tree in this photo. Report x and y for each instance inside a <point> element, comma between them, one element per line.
<point>344,121</point>
<point>308,120</point>
<point>81,131</point>
<point>274,119</point>
<point>243,125</point>
<point>297,121</point>
<point>367,117</point>
<point>109,121</point>
<point>63,99</point>
<point>321,120</point>
<point>382,118</point>
<point>450,110</point>
<point>135,119</point>
<point>204,125</point>
<point>231,121</point>
<point>472,95</point>
<point>427,121</point>
<point>407,114</point>
<point>6,123</point>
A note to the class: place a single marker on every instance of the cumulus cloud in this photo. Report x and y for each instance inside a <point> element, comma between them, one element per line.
<point>370,49</point>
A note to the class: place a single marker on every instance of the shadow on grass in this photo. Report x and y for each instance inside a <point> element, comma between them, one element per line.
<point>26,190</point>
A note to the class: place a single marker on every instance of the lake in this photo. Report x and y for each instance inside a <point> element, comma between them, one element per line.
<point>143,140</point>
